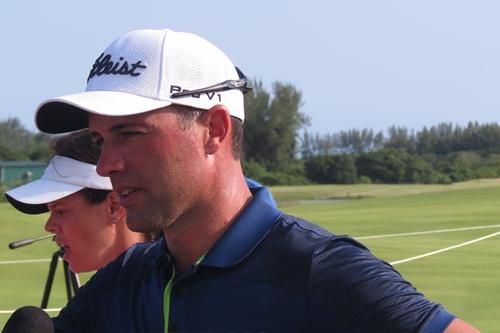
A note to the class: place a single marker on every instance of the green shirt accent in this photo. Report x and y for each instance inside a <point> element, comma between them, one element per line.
<point>166,299</point>
<point>168,290</point>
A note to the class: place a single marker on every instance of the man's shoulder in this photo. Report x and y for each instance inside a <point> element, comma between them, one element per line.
<point>337,269</point>
<point>131,277</point>
<point>142,253</point>
<point>302,235</point>
<point>286,255</point>
<point>135,263</point>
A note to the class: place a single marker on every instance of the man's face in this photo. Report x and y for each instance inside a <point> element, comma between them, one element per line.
<point>155,166</point>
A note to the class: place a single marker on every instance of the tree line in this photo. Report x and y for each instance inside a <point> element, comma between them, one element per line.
<point>279,150</point>
<point>17,143</point>
<point>442,139</point>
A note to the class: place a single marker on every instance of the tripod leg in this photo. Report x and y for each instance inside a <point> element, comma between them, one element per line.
<point>67,279</point>
<point>50,279</point>
<point>75,282</point>
<point>72,281</point>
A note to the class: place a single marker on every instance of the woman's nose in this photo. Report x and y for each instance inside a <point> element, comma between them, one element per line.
<point>51,225</point>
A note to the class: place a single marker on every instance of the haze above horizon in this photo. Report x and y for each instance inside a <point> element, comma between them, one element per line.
<point>359,64</point>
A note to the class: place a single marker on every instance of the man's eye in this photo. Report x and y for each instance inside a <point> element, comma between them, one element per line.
<point>127,134</point>
<point>60,212</point>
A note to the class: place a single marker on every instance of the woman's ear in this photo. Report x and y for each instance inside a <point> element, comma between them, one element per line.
<point>114,210</point>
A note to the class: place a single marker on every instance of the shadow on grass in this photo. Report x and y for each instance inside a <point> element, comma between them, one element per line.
<point>320,200</point>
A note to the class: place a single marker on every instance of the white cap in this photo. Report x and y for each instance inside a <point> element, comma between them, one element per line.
<point>62,177</point>
<point>141,71</point>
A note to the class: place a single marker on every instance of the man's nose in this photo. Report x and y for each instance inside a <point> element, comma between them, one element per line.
<point>110,161</point>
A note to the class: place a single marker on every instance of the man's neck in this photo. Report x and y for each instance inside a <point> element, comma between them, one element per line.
<point>190,237</point>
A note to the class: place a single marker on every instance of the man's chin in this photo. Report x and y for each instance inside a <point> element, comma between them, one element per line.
<point>142,223</point>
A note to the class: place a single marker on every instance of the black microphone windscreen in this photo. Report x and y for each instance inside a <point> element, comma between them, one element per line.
<point>29,319</point>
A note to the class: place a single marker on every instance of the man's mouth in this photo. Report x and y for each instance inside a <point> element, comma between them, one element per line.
<point>126,196</point>
<point>126,192</point>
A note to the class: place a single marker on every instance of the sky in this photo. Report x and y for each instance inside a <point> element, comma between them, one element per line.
<point>358,63</point>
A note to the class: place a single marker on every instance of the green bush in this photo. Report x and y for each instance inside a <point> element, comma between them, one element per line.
<point>331,169</point>
<point>383,166</point>
<point>364,180</point>
<point>3,189</point>
<point>486,172</point>
<point>292,174</point>
<point>441,178</point>
<point>254,170</point>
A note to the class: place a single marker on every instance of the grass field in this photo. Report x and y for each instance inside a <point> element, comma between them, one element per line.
<point>409,220</point>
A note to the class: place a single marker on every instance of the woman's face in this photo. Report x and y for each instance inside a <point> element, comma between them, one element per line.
<point>84,230</point>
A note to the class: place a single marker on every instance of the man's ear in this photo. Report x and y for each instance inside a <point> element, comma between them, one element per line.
<point>114,210</point>
<point>218,122</point>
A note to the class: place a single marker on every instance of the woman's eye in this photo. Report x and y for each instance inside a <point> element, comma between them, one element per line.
<point>98,142</point>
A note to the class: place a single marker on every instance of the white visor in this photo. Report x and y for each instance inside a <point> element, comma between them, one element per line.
<point>62,177</point>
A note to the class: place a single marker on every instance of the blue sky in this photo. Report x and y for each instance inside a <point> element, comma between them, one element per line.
<point>359,64</point>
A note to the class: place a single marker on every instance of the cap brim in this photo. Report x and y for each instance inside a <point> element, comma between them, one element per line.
<point>70,113</point>
<point>33,197</point>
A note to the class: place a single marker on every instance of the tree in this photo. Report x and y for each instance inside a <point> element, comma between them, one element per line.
<point>7,154</point>
<point>272,123</point>
<point>18,143</point>
<point>359,141</point>
<point>401,138</point>
<point>332,169</point>
<point>418,170</point>
<point>384,166</point>
<point>316,145</point>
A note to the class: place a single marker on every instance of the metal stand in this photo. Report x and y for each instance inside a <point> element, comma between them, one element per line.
<point>71,279</point>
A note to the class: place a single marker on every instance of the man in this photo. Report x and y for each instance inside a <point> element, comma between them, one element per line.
<point>167,109</point>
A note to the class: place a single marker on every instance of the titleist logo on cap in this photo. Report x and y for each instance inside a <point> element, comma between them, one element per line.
<point>104,65</point>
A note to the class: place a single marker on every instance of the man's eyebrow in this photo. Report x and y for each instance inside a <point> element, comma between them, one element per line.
<point>115,128</point>
<point>97,136</point>
<point>119,127</point>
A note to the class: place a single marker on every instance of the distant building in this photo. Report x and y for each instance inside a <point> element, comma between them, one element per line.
<point>19,172</point>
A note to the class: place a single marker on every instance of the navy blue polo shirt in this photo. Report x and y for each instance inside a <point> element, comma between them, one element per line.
<point>270,272</point>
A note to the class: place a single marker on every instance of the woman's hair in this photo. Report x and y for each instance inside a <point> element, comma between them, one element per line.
<point>80,146</point>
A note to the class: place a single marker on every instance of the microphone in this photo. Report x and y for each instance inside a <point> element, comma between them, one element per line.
<point>29,319</point>
<point>24,242</point>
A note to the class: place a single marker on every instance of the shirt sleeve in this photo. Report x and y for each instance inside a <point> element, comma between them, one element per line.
<point>81,313</point>
<point>74,317</point>
<point>350,290</point>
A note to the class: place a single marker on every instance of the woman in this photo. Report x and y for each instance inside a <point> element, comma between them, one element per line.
<point>85,216</point>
